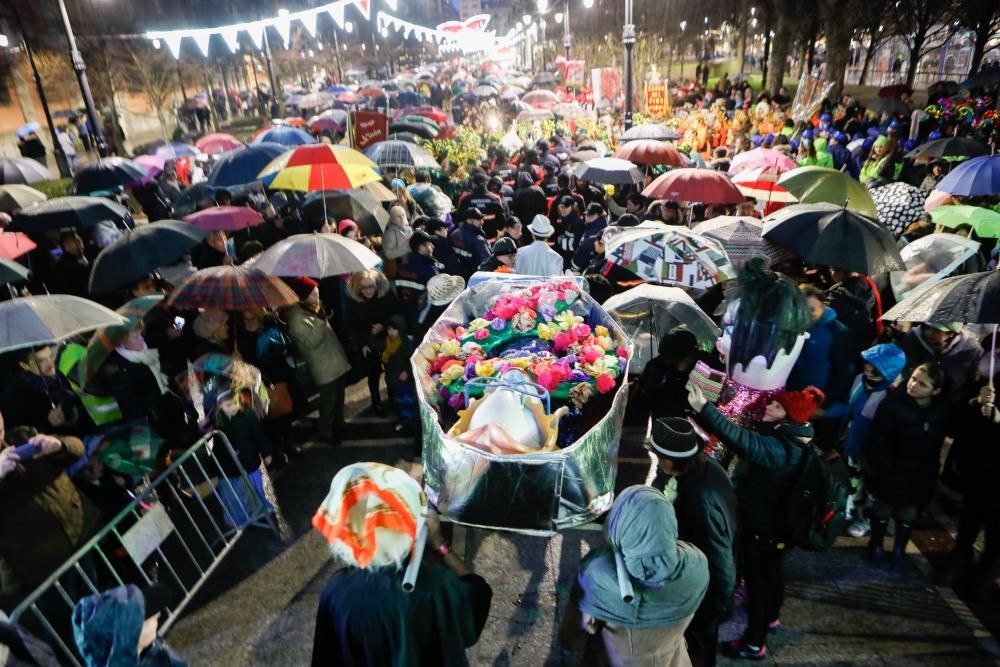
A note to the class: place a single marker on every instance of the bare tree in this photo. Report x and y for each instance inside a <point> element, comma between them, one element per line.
<point>983,19</point>
<point>155,74</point>
<point>57,76</point>
<point>924,25</point>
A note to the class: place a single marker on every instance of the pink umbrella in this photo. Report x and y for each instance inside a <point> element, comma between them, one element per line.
<point>217,143</point>
<point>706,186</point>
<point>758,174</point>
<point>938,198</point>
<point>225,218</point>
<point>761,157</point>
<point>154,165</point>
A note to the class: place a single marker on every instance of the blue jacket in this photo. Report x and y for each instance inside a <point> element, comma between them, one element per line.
<point>585,249</point>
<point>471,247</point>
<point>819,364</point>
<point>842,160</point>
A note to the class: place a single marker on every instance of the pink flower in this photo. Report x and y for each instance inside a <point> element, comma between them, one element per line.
<point>548,380</point>
<point>591,354</point>
<point>563,340</point>
<point>581,331</point>
<point>622,352</point>
<point>481,334</point>
<point>605,383</point>
<point>505,310</point>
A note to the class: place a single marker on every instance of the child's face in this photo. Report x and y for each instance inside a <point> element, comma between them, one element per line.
<point>920,385</point>
<point>229,407</point>
<point>392,331</point>
<point>871,374</point>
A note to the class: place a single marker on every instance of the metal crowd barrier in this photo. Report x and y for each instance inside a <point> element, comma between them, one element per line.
<point>176,531</point>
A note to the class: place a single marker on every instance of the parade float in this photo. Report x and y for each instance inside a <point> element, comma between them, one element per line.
<point>521,386</point>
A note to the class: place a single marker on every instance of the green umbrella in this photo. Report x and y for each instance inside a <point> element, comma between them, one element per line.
<point>17,196</point>
<point>12,271</point>
<point>814,185</point>
<point>985,222</point>
<point>106,339</point>
<point>130,449</point>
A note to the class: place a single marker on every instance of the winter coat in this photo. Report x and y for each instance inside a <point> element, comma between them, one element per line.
<point>411,286</point>
<point>903,449</point>
<point>365,618</point>
<point>858,412</point>
<point>529,202</point>
<point>769,460</point>
<point>316,345</point>
<point>26,399</point>
<point>246,434</point>
<point>976,456</point>
<point>396,241</point>
<point>444,253</point>
<point>45,518</point>
<point>470,245</point>
<point>134,388</point>
<point>586,248</point>
<point>827,359</point>
<point>958,360</point>
<point>361,315</point>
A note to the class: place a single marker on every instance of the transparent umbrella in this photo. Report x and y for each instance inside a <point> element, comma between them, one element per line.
<point>929,260</point>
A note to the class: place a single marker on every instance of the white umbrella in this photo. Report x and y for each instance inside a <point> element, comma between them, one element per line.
<point>36,321</point>
<point>929,260</point>
<point>315,256</point>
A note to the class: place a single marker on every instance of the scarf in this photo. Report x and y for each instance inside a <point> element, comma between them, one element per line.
<point>669,577</point>
<point>150,358</point>
<point>391,347</point>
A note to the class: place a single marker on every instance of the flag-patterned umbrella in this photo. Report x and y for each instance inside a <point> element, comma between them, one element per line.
<point>320,167</point>
<point>669,255</point>
<point>232,288</point>
<point>225,218</point>
<point>898,204</point>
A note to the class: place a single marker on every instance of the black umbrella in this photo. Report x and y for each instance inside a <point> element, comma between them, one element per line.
<point>142,251</point>
<point>69,212</point>
<point>890,105</point>
<point>422,130</point>
<point>408,137</point>
<point>12,271</point>
<point>22,170</point>
<point>973,299</point>
<point>196,198</point>
<point>358,205</point>
<point>106,174</point>
<point>544,80</point>
<point>948,147</point>
<point>828,235</point>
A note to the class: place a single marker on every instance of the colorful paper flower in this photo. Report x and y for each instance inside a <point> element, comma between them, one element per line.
<point>484,368</point>
<point>567,320</point>
<point>581,331</point>
<point>456,401</point>
<point>601,330</point>
<point>605,383</point>
<point>591,353</point>
<point>622,352</point>
<point>547,331</point>
<point>478,323</point>
<point>452,373</point>
<point>524,320</point>
<point>480,334</point>
<point>580,394</point>
<point>450,348</point>
<point>563,340</point>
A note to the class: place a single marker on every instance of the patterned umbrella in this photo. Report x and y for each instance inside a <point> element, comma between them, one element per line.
<point>657,131</point>
<point>651,152</point>
<point>285,135</point>
<point>401,154</point>
<point>106,174</point>
<point>11,271</point>
<point>225,218</point>
<point>769,174</point>
<point>18,196</point>
<point>231,288</point>
<point>739,236</point>
<point>316,256</point>
<point>814,185</point>
<point>570,111</point>
<point>22,170</point>
<point>541,99</point>
<point>609,170</point>
<point>669,255</point>
<point>15,244</point>
<point>140,252</point>
<point>218,373</point>
<point>106,339</point>
<point>217,143</point>
<point>174,150</point>
<point>979,177</point>
<point>70,212</point>
<point>320,167</point>
<point>36,321</point>
<point>898,205</point>
<point>767,191</point>
<point>706,186</point>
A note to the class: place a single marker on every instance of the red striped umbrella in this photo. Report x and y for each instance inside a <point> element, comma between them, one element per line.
<point>650,151</point>
<point>232,288</point>
<point>705,186</point>
<point>225,218</point>
<point>319,167</point>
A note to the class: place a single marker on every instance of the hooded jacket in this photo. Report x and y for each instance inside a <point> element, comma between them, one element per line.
<point>958,359</point>
<point>827,358</point>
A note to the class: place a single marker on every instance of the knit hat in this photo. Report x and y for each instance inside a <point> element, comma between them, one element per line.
<point>504,246</point>
<point>800,405</point>
<point>345,225</point>
<point>302,286</point>
<point>674,438</point>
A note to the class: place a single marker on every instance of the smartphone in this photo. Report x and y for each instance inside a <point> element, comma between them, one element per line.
<point>27,451</point>
<point>179,322</point>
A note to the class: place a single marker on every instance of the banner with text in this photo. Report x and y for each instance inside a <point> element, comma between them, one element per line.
<point>369,127</point>
<point>657,100</point>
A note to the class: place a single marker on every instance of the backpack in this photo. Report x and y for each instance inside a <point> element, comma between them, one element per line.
<point>817,504</point>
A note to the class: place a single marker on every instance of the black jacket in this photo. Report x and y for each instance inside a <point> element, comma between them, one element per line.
<point>246,435</point>
<point>135,389</point>
<point>529,202</point>
<point>769,463</point>
<point>361,315</point>
<point>904,448</point>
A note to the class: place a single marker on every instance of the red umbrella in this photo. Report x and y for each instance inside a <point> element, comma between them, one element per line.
<point>649,151</point>
<point>231,288</point>
<point>371,91</point>
<point>225,218</point>
<point>15,244</point>
<point>217,143</point>
<point>706,186</point>
<point>348,97</point>
<point>435,114</point>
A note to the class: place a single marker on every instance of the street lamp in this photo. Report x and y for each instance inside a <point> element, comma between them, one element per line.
<point>81,76</point>
<point>628,40</point>
<point>683,26</point>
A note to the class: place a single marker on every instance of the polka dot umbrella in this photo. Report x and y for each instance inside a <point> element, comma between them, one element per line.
<point>897,205</point>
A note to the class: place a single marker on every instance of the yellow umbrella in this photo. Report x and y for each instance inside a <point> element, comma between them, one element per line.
<point>319,167</point>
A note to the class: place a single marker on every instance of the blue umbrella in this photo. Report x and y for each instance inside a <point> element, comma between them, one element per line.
<point>978,177</point>
<point>337,89</point>
<point>174,151</point>
<point>285,135</point>
<point>410,99</point>
<point>241,166</point>
<point>27,129</point>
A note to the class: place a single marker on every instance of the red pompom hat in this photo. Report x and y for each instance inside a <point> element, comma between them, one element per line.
<point>302,286</point>
<point>800,405</point>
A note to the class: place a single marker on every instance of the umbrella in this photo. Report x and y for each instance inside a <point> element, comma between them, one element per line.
<point>544,80</point>
<point>378,190</point>
<point>17,196</point>
<point>106,339</point>
<point>358,205</point>
<point>408,137</point>
<point>195,198</point>
<point>609,170</point>
<point>420,118</point>
<point>26,129</point>
<point>986,77</point>
<point>36,321</point>
<point>584,155</point>
<point>231,288</point>
<point>984,222</point>
<point>511,92</point>
<point>979,177</point>
<point>570,111</point>
<point>890,105</point>
<point>218,373</point>
<point>761,158</point>
<point>217,143</point>
<point>739,236</point>
<point>316,256</point>
<point>758,175</point>
<point>835,236</point>
<point>371,91</point>
<point>651,152</point>
<point>15,244</point>
<point>22,170</point>
<point>338,116</point>
<point>129,449</point>
<point>596,146</point>
<point>672,255</point>
<point>898,205</point>
<point>929,260</point>
<point>410,98</point>
<point>69,212</point>
<point>106,174</point>
<point>896,90</point>
<point>321,167</point>
<point>326,125</point>
<point>948,147</point>
<point>937,198</point>
<point>315,100</point>
<point>813,185</point>
<point>484,91</point>
<point>174,151</point>
<point>295,121</point>
<point>401,154</point>
<point>153,164</point>
<point>657,131</point>
<point>695,185</point>
<point>767,191</point>
<point>647,312</point>
<point>140,252</point>
<point>224,218</point>
<point>422,130</point>
<point>541,99</point>
<point>11,271</point>
<point>531,115</point>
<point>241,166</point>
<point>973,299</point>
<point>284,135</point>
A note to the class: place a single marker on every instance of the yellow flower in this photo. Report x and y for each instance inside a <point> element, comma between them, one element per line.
<point>452,373</point>
<point>606,342</point>
<point>450,348</point>
<point>478,323</point>
<point>599,366</point>
<point>520,362</point>
<point>547,331</point>
<point>601,330</point>
<point>567,320</point>
<point>484,368</point>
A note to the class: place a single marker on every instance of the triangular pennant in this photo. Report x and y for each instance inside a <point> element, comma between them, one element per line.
<point>309,20</point>
<point>256,32</point>
<point>201,38</point>
<point>393,4</point>
<point>231,36</point>
<point>173,42</point>
<point>284,27</point>
<point>365,7</point>
<point>336,12</point>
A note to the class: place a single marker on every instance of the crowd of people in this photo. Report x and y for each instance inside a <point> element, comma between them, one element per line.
<point>880,399</point>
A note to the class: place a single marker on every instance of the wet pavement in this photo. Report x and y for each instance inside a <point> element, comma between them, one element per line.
<point>259,607</point>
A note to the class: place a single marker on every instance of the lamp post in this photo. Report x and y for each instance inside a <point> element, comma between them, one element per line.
<point>628,39</point>
<point>681,48</point>
<point>542,23</point>
<point>567,38</point>
<point>80,68</point>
